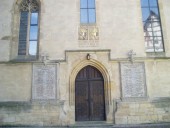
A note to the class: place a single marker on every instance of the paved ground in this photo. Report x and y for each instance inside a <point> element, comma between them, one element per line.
<point>165,125</point>
<point>144,126</point>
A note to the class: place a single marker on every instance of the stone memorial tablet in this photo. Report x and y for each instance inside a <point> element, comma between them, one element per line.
<point>44,81</point>
<point>133,80</point>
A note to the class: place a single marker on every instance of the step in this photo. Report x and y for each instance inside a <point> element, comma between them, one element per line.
<point>91,124</point>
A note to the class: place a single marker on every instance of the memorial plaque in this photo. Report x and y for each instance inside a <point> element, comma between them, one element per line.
<point>133,80</point>
<point>44,81</point>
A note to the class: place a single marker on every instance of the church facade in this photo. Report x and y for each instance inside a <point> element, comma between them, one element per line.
<point>69,61</point>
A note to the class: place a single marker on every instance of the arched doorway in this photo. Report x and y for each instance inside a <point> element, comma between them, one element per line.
<point>89,95</point>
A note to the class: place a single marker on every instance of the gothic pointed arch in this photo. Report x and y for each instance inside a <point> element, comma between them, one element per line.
<point>89,95</point>
<point>25,30</point>
<point>99,67</point>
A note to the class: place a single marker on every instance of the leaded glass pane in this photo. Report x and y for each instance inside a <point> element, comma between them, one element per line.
<point>158,44</point>
<point>83,3</point>
<point>145,13</point>
<point>22,48</point>
<point>34,18</point>
<point>92,17</point>
<point>153,3</point>
<point>91,3</point>
<point>84,16</point>
<point>144,3</point>
<point>32,47</point>
<point>23,33</point>
<point>33,32</point>
<point>155,11</point>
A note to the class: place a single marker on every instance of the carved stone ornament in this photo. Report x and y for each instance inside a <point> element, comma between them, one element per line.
<point>29,5</point>
<point>88,33</point>
<point>93,33</point>
<point>131,55</point>
<point>44,57</point>
<point>83,33</point>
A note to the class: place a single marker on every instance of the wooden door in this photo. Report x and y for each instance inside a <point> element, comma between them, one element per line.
<point>89,95</point>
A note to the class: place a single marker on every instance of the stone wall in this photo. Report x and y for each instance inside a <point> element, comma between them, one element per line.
<point>56,113</point>
<point>138,112</point>
<point>15,81</point>
<point>60,34</point>
<point>5,29</point>
<point>157,76</point>
<point>119,23</point>
<point>42,113</point>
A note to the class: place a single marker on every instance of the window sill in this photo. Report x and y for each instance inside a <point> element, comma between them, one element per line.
<point>88,24</point>
<point>155,54</point>
<point>25,58</point>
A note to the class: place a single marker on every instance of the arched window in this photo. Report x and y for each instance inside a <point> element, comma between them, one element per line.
<point>28,32</point>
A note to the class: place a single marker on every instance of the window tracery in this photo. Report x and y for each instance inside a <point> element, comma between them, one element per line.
<point>28,30</point>
<point>29,5</point>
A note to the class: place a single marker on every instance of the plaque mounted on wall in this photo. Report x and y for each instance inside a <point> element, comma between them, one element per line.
<point>44,82</point>
<point>133,80</point>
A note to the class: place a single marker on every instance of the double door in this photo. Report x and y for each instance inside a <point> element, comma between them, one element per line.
<point>89,96</point>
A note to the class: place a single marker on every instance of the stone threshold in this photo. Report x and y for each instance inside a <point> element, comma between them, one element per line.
<point>91,124</point>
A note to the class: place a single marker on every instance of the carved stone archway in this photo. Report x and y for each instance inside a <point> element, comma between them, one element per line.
<point>101,68</point>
